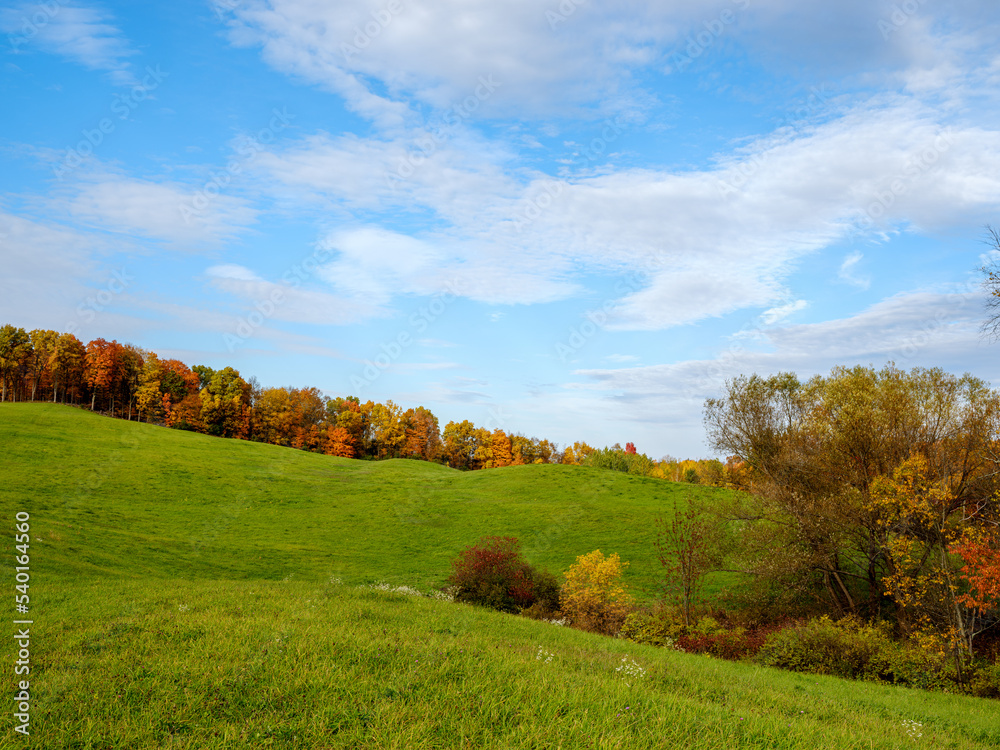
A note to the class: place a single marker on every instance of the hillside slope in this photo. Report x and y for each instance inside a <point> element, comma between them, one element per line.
<point>233,664</point>
<point>158,619</point>
<point>116,497</point>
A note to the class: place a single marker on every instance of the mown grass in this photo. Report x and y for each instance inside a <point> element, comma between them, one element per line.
<point>136,664</point>
<point>122,498</point>
<point>192,592</point>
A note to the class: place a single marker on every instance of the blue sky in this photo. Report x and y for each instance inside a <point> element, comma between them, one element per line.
<point>574,220</point>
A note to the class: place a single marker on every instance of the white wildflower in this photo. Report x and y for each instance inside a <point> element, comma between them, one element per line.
<point>630,668</point>
<point>913,728</point>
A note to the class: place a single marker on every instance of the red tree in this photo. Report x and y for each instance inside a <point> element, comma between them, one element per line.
<point>981,556</point>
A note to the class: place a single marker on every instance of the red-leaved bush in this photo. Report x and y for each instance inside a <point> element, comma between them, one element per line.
<point>492,573</point>
<point>727,644</point>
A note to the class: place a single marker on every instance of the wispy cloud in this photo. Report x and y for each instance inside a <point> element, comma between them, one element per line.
<point>87,36</point>
<point>153,210</point>
<point>848,273</point>
<point>775,314</point>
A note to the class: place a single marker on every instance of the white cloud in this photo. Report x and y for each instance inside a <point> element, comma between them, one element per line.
<point>926,329</point>
<point>439,53</point>
<point>847,273</point>
<point>46,269</point>
<point>290,302</point>
<point>154,210</point>
<point>703,242</point>
<point>573,57</point>
<point>84,35</point>
<point>776,314</point>
<point>232,272</point>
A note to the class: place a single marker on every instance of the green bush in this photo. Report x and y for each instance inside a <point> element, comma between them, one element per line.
<point>986,681</point>
<point>852,649</point>
<point>650,628</point>
<point>616,459</point>
<point>708,626</point>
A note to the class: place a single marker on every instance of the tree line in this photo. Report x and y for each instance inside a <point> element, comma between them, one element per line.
<point>125,381</point>
<point>870,493</point>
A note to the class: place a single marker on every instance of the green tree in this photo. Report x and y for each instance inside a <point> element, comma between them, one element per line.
<point>816,448</point>
<point>461,442</point>
<point>15,348</point>
<point>225,404</point>
<point>68,360</point>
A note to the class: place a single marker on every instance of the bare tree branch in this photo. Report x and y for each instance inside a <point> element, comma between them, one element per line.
<point>991,283</point>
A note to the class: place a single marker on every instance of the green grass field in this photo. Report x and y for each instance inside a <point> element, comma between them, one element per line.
<point>121,498</point>
<point>192,592</point>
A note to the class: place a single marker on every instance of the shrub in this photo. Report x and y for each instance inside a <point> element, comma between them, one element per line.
<point>650,629</point>
<point>733,645</point>
<point>616,459</point>
<point>986,681</point>
<point>853,649</point>
<point>593,597</point>
<point>493,574</point>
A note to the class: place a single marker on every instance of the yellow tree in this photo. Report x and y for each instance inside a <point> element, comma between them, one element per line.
<point>460,444</point>
<point>593,596</point>
<point>225,404</point>
<point>923,518</point>
<point>581,450</point>
<point>388,429</point>
<point>15,348</point>
<point>483,455</point>
<point>43,345</point>
<point>502,455</point>
<point>68,358</point>
<point>273,416</point>
<point>149,396</point>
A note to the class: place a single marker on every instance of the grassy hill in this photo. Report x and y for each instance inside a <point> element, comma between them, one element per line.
<point>191,592</point>
<point>122,498</point>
